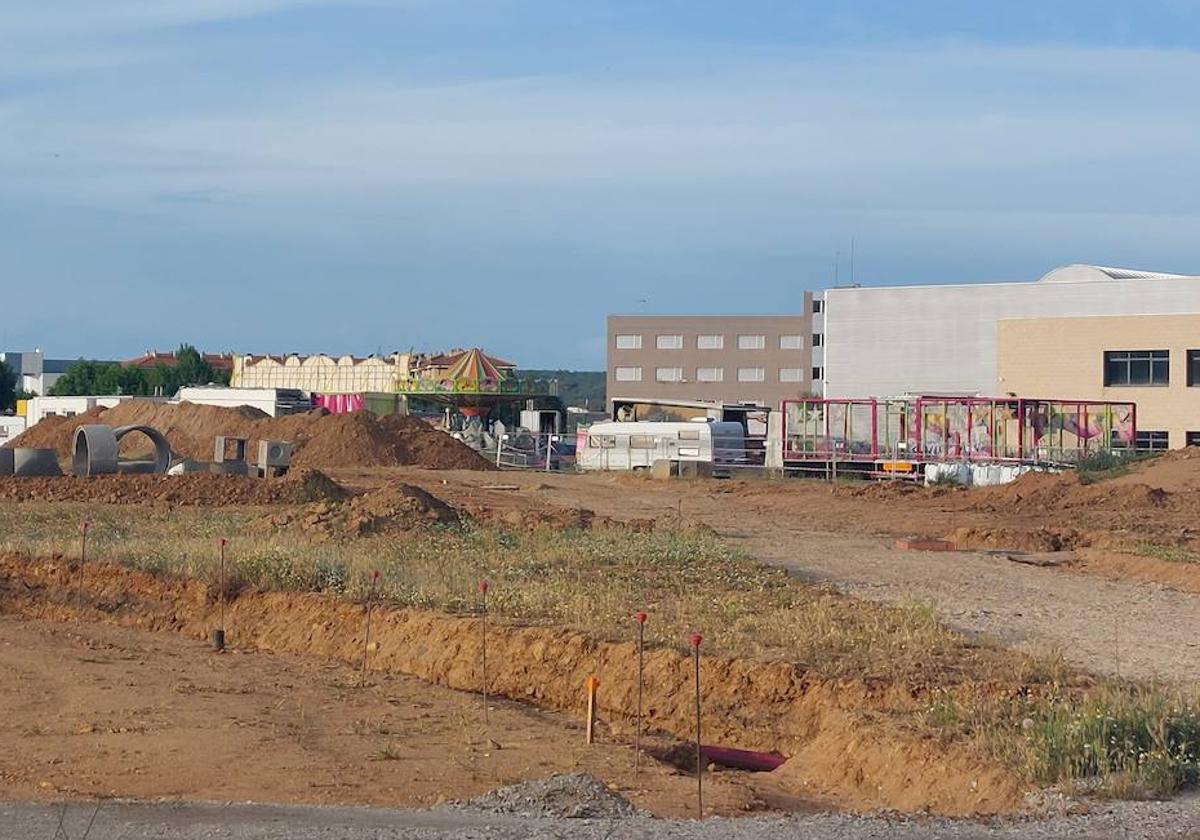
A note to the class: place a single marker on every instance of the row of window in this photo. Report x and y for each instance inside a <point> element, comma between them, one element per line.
<point>716,342</point>
<point>714,374</point>
<point>1146,367</point>
<point>1156,441</point>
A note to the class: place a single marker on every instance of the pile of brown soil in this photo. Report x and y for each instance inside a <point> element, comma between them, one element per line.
<point>1036,540</point>
<point>321,440</point>
<point>1034,492</point>
<point>202,489</point>
<point>392,508</point>
<point>531,519</point>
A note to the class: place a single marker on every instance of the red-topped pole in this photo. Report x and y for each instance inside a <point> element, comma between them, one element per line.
<point>695,641</point>
<point>640,618</point>
<point>483,593</point>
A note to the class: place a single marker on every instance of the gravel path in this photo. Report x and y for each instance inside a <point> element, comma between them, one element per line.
<point>203,821</point>
<point>1111,627</point>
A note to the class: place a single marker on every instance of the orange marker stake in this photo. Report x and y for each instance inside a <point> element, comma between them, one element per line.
<point>483,591</point>
<point>362,681</point>
<point>83,532</point>
<point>592,685</point>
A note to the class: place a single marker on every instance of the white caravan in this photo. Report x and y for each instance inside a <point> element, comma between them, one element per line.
<point>637,445</point>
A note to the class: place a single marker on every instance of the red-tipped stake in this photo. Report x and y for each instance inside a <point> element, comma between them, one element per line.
<point>695,642</point>
<point>83,532</point>
<point>483,592</point>
<point>640,618</point>
<point>362,680</point>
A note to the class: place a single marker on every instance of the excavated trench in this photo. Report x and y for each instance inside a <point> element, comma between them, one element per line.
<point>842,743</point>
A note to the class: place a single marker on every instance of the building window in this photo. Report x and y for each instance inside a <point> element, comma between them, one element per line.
<point>669,342</point>
<point>1152,441</point>
<point>791,375</point>
<point>791,342</point>
<point>818,374</point>
<point>752,342</point>
<point>752,374</point>
<point>668,374</point>
<point>818,340</point>
<point>818,306</point>
<point>710,342</point>
<point>1193,369</point>
<point>710,374</point>
<point>629,342</point>
<point>629,374</point>
<point>1136,367</point>
<point>1192,439</point>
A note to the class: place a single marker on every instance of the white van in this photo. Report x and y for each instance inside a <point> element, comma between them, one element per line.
<point>637,445</point>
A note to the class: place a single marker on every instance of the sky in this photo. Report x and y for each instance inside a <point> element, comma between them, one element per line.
<point>362,176</point>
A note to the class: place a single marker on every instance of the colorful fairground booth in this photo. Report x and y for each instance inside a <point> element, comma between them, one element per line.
<point>477,387</point>
<point>889,433</point>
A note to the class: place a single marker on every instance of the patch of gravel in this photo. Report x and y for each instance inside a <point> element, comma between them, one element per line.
<point>1179,818</point>
<point>562,796</point>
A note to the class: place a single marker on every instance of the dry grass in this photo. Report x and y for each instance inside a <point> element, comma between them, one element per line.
<point>1034,714</point>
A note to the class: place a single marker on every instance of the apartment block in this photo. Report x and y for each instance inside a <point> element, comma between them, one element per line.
<point>759,359</point>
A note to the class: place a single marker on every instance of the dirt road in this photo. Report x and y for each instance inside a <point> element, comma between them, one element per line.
<point>1129,628</point>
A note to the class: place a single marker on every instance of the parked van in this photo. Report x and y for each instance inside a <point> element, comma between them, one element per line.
<point>637,445</point>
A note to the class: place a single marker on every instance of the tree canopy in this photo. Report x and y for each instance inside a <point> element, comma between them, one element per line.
<point>84,378</point>
<point>8,387</point>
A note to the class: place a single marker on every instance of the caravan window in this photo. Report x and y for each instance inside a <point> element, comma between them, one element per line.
<point>602,441</point>
<point>690,434</point>
<point>641,442</point>
<point>689,452</point>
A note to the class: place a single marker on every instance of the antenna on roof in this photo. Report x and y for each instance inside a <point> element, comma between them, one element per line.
<point>852,260</point>
<point>837,266</point>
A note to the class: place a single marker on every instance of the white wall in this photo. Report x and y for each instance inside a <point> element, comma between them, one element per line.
<point>10,427</point>
<point>264,399</point>
<point>887,341</point>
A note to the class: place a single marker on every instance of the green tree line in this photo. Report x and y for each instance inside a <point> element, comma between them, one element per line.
<point>85,378</point>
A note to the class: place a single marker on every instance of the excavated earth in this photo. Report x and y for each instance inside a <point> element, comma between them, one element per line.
<point>841,745</point>
<point>320,439</point>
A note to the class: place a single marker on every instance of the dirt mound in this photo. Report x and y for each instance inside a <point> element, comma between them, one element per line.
<point>1034,492</point>
<point>320,439</point>
<point>566,795</point>
<point>392,508</point>
<point>1037,540</point>
<point>1173,471</point>
<point>531,519</point>
<point>203,489</point>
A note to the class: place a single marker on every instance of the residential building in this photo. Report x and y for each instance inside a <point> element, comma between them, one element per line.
<point>153,358</point>
<point>891,340</point>
<point>1151,360</point>
<point>760,359</point>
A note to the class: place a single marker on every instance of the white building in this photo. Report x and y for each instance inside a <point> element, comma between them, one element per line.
<point>272,401</point>
<point>890,340</point>
<point>35,373</point>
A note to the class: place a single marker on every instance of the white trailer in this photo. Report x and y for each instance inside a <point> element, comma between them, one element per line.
<point>637,445</point>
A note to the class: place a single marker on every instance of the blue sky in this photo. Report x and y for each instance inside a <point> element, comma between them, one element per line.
<point>299,175</point>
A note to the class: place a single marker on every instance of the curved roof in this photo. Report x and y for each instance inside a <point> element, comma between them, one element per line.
<point>1078,272</point>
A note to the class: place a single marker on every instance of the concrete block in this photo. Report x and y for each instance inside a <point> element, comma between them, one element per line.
<point>33,462</point>
<point>695,469</point>
<point>6,461</point>
<point>664,468</point>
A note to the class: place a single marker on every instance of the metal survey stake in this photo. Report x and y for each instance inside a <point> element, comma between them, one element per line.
<point>218,635</point>
<point>483,590</point>
<point>83,532</point>
<point>362,680</point>
<point>640,618</point>
<point>695,641</point>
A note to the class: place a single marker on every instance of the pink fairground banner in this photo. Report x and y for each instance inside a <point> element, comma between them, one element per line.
<point>338,403</point>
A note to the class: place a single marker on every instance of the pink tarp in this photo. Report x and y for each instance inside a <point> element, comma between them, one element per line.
<point>338,403</point>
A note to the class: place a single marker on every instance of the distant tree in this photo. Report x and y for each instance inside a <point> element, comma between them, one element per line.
<point>84,378</point>
<point>8,387</point>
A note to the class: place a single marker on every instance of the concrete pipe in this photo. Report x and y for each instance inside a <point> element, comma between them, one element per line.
<point>162,449</point>
<point>31,462</point>
<point>94,451</point>
<point>7,461</point>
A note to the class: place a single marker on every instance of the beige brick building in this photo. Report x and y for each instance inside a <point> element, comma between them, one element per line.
<point>1151,360</point>
<point>753,358</point>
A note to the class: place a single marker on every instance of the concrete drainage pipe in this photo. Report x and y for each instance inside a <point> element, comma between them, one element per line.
<point>94,451</point>
<point>162,449</point>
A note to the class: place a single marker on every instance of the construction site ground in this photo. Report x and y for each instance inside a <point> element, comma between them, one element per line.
<point>100,705</point>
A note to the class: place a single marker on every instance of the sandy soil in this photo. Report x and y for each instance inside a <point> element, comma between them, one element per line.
<point>101,711</point>
<point>1109,616</point>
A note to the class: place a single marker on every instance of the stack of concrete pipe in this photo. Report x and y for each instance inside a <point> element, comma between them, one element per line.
<point>95,449</point>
